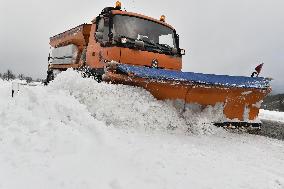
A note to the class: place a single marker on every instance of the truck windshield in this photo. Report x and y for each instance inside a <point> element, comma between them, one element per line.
<point>141,29</point>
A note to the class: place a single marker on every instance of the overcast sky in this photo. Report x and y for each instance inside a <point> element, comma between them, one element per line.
<point>220,36</point>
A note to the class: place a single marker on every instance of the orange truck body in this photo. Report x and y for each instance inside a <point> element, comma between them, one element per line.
<point>97,55</point>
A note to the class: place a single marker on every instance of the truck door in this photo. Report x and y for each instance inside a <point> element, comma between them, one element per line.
<point>100,49</point>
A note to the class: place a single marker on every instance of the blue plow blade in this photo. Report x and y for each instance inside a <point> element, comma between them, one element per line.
<point>198,78</point>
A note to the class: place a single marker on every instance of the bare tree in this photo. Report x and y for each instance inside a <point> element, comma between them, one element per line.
<point>21,76</point>
<point>39,80</point>
<point>9,75</point>
<point>29,79</point>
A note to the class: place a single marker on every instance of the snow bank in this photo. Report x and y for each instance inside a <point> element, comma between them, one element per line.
<point>36,126</point>
<point>133,107</point>
<point>50,137</point>
<point>5,91</point>
<point>39,114</point>
<point>271,115</point>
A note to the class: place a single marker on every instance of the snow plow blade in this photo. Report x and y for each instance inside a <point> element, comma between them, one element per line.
<point>241,96</point>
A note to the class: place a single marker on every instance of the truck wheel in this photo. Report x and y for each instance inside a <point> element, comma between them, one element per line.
<point>98,78</point>
<point>49,77</point>
<point>86,72</point>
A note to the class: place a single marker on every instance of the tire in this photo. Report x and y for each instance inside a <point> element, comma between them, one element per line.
<point>49,77</point>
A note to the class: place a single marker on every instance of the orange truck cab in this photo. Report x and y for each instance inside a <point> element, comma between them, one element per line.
<point>116,35</point>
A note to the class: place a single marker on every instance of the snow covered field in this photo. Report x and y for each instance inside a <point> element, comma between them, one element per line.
<point>77,133</point>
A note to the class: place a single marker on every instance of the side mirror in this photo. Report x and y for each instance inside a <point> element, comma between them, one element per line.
<point>182,51</point>
<point>99,35</point>
<point>139,44</point>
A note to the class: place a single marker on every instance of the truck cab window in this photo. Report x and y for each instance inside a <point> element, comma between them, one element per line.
<point>103,26</point>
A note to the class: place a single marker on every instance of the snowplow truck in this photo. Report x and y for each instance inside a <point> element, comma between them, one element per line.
<point>132,49</point>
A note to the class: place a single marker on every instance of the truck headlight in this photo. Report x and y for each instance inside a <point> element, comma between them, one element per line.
<point>154,63</point>
<point>123,40</point>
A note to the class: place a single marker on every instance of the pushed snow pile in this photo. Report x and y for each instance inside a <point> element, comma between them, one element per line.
<point>41,114</point>
<point>36,126</point>
<point>132,107</point>
<point>200,121</point>
<point>210,79</point>
<point>271,115</point>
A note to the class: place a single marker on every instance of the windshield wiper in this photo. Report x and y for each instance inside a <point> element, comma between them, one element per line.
<point>166,46</point>
<point>157,46</point>
<point>160,46</point>
<point>151,44</point>
<point>132,40</point>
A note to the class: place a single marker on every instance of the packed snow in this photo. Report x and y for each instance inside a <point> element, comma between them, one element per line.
<point>272,115</point>
<point>76,133</point>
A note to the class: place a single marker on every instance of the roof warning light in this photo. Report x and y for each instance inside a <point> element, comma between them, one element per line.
<point>118,5</point>
<point>163,18</point>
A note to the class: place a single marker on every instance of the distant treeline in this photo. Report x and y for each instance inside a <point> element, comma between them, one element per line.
<point>9,75</point>
<point>274,102</point>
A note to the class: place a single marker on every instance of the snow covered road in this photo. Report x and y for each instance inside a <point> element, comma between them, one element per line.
<point>76,133</point>
<point>272,124</point>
